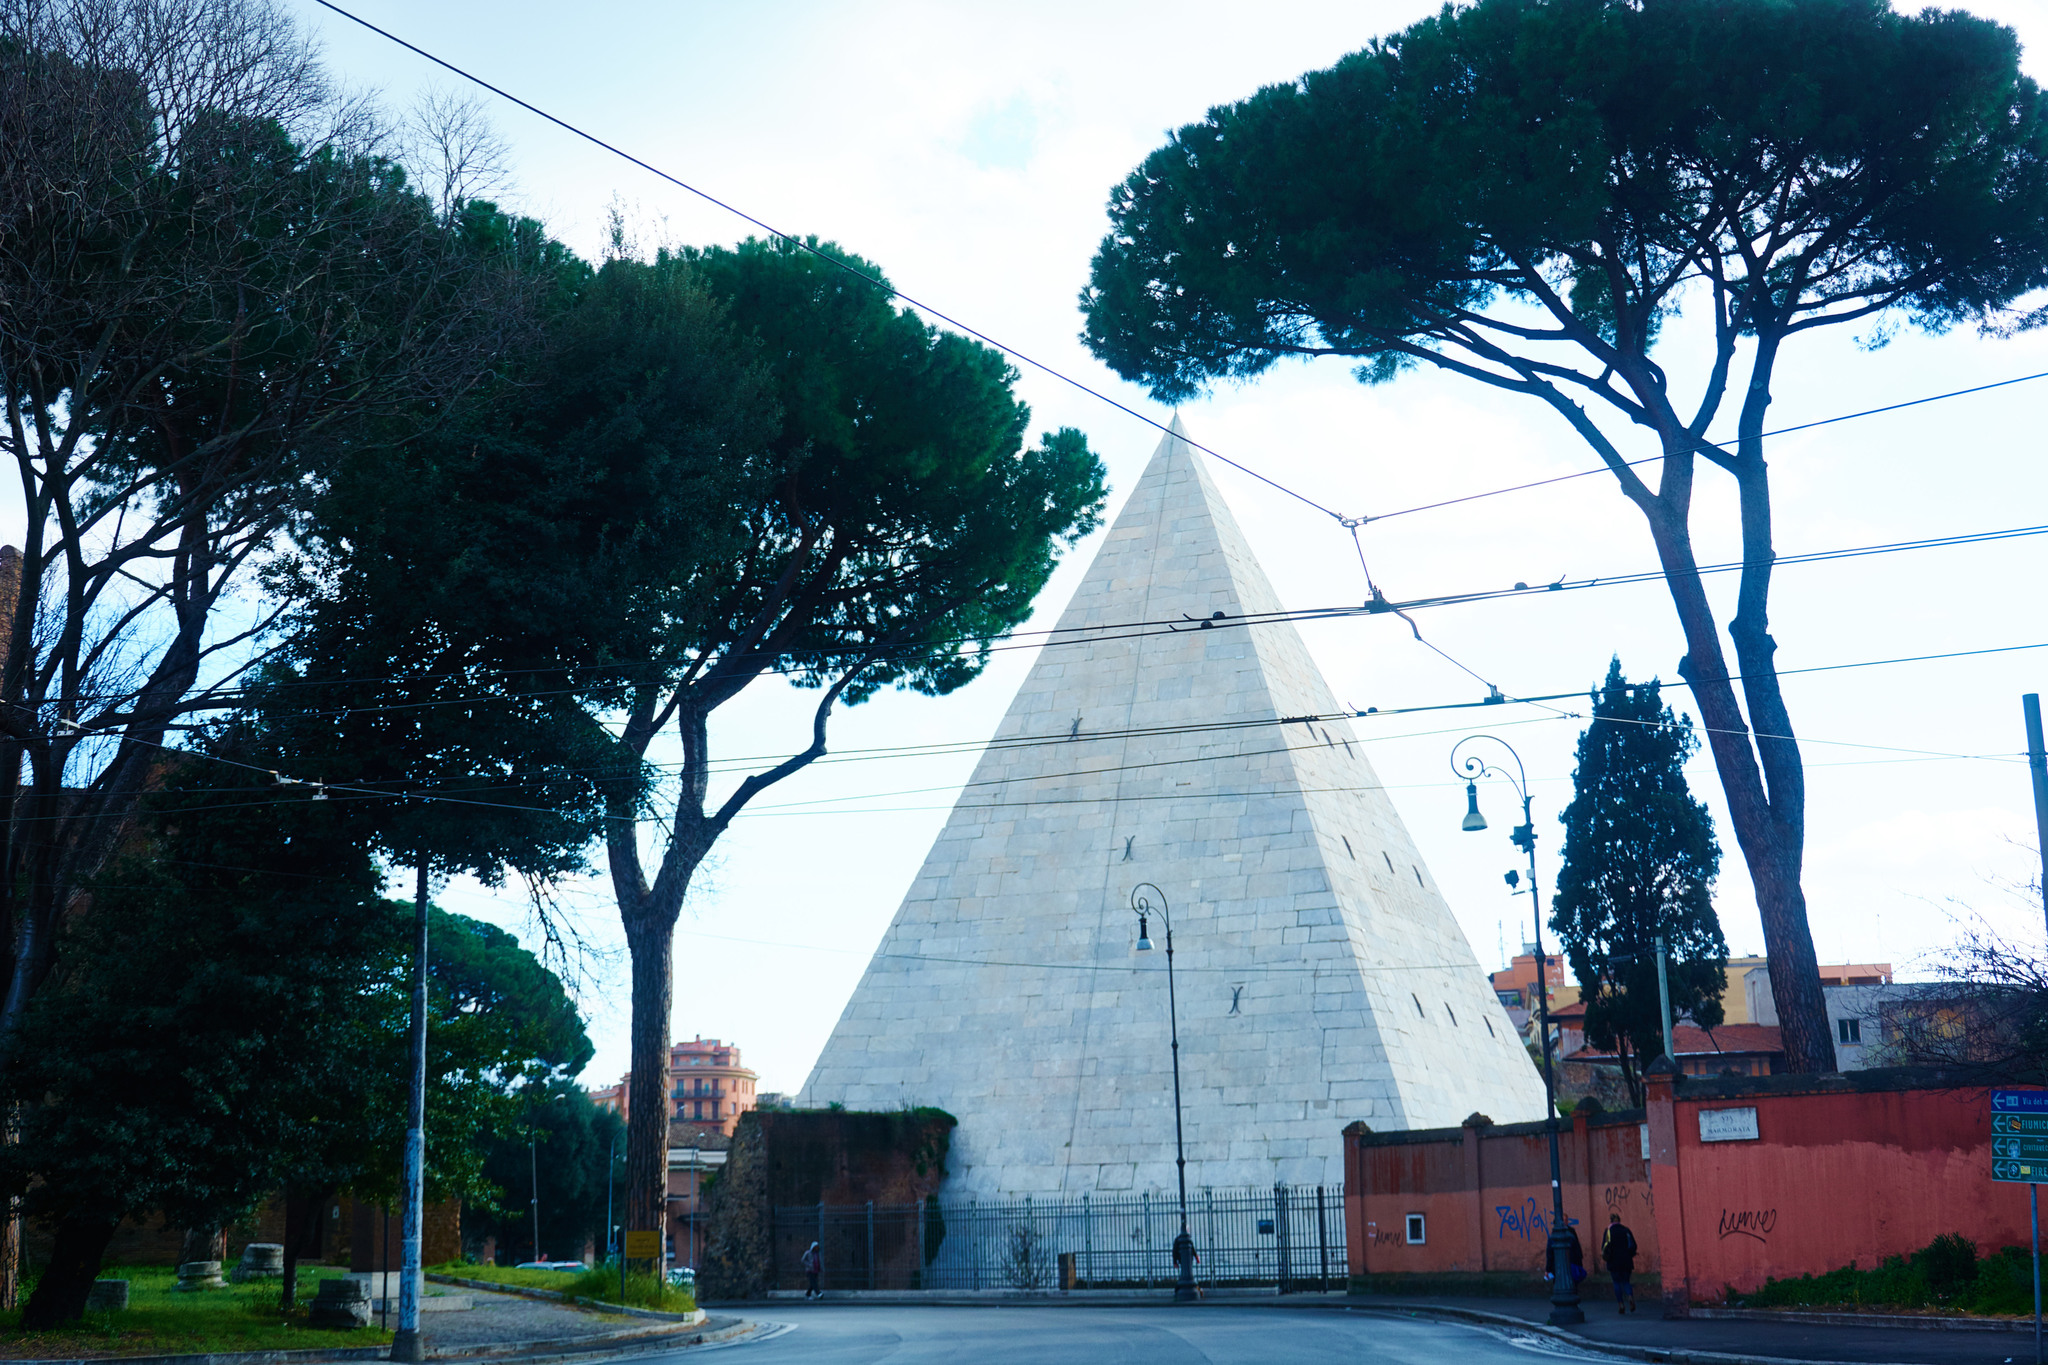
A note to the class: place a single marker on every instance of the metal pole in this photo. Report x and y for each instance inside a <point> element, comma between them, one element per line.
<point>2037,764</point>
<point>1564,1295</point>
<point>1323,1240</point>
<point>1180,1151</point>
<point>1664,1000</point>
<point>1184,1283</point>
<point>2034,1207</point>
<point>533,1178</point>
<point>405,1342</point>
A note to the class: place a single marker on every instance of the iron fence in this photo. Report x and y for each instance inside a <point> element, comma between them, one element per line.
<point>1289,1238</point>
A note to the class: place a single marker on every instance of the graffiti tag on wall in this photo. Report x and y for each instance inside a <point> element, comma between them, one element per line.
<point>1527,1221</point>
<point>1755,1223</point>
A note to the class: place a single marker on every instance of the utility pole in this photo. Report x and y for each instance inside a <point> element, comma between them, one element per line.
<point>2037,764</point>
<point>405,1342</point>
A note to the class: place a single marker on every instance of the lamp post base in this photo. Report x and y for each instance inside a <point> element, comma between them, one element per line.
<point>1184,1290</point>
<point>1564,1292</point>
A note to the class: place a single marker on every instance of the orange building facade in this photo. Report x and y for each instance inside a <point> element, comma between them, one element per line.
<point>707,1086</point>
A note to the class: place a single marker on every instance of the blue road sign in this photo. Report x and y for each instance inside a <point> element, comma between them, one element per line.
<point>2020,1123</point>
<point>2019,1101</point>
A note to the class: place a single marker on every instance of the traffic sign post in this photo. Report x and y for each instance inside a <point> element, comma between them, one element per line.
<point>640,1246</point>
<point>2019,1153</point>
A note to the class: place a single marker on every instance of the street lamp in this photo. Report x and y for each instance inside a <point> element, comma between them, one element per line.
<point>1564,1294</point>
<point>1184,1244</point>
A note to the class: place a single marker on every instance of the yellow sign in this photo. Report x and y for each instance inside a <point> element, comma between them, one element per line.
<point>643,1246</point>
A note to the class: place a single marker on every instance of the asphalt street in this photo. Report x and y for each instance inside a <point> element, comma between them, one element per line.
<point>858,1335</point>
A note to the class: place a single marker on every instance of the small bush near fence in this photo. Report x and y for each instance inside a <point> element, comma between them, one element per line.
<point>1947,1274</point>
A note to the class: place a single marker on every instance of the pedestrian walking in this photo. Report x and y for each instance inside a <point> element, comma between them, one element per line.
<point>814,1266</point>
<point>1618,1250</point>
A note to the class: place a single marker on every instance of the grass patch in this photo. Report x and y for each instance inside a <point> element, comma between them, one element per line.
<point>1946,1275</point>
<point>557,1280</point>
<point>242,1317</point>
<point>601,1283</point>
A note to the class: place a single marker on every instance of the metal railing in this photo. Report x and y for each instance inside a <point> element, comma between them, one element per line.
<point>1290,1238</point>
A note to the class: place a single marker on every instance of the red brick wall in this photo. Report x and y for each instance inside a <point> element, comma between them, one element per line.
<point>1854,1167</point>
<point>1484,1193</point>
<point>360,1240</point>
<point>1843,1168</point>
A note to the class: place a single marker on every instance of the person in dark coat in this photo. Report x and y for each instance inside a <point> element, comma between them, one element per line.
<point>814,1265</point>
<point>1618,1250</point>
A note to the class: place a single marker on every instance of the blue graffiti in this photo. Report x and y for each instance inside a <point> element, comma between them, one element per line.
<point>1527,1220</point>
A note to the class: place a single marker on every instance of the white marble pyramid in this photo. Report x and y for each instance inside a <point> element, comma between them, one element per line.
<point>1321,978</point>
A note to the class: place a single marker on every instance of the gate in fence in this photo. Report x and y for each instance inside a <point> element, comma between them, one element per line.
<point>1289,1238</point>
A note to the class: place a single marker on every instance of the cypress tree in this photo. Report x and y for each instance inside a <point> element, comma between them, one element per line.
<point>1639,863</point>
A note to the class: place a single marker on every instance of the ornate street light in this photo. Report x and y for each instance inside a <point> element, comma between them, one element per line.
<point>1184,1244</point>
<point>1564,1294</point>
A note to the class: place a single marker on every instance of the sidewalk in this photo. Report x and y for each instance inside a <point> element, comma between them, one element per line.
<point>497,1327</point>
<point>1734,1339</point>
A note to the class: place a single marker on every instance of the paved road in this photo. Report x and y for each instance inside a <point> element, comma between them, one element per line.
<point>860,1335</point>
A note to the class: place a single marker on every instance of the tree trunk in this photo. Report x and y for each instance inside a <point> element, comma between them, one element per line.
<point>650,938</point>
<point>301,1219</point>
<point>74,1264</point>
<point>10,1234</point>
<point>1769,822</point>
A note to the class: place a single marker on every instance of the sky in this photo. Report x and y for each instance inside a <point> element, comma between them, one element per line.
<point>970,150</point>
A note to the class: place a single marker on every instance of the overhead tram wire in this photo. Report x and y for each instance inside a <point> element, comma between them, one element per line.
<point>1766,435</point>
<point>796,241</point>
<point>1147,629</point>
<point>356,791</point>
<point>803,245</point>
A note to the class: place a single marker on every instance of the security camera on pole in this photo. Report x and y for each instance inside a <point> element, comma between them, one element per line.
<point>1564,1292</point>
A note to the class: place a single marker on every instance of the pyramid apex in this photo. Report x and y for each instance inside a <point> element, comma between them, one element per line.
<point>1175,427</point>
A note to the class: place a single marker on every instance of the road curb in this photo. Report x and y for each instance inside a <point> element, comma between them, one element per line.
<point>1663,1355</point>
<point>647,1343</point>
<point>306,1357</point>
<point>1917,1322</point>
<point>627,1341</point>
<point>691,1318</point>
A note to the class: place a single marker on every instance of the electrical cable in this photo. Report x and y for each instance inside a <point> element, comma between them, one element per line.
<point>1041,366</point>
<point>358,792</point>
<point>1153,629</point>
<point>1653,459</point>
<point>822,255</point>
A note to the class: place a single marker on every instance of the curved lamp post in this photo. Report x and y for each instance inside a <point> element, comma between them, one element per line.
<point>1564,1295</point>
<point>1184,1244</point>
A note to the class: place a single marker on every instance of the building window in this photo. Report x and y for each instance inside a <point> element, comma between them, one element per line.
<point>1849,1030</point>
<point>1415,1230</point>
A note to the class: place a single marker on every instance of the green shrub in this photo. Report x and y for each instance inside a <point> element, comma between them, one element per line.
<point>1949,1263</point>
<point>1946,1273</point>
<point>642,1290</point>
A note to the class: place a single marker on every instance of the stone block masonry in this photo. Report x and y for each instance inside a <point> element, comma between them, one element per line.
<point>1321,977</point>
